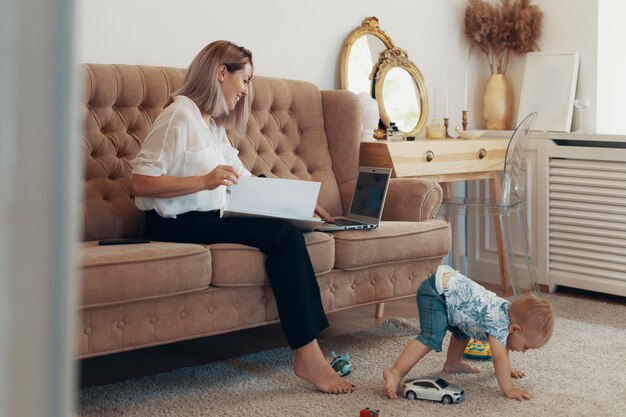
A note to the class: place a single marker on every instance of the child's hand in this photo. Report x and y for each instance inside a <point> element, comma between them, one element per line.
<point>519,394</point>
<point>516,373</point>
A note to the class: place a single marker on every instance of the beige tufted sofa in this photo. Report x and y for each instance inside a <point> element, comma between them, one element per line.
<point>141,295</point>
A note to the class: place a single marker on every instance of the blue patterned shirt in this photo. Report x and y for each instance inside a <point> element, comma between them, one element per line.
<point>475,310</point>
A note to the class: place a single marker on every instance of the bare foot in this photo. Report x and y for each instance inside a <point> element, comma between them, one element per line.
<point>460,366</point>
<point>392,382</point>
<point>309,364</point>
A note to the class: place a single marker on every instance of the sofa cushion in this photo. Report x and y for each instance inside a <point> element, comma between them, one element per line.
<point>120,273</point>
<point>239,265</point>
<point>391,242</point>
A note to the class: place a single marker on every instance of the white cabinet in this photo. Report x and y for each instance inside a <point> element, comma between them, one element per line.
<point>576,215</point>
<point>586,216</point>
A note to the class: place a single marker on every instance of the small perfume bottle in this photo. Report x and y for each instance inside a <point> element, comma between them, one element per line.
<point>393,133</point>
<point>435,130</point>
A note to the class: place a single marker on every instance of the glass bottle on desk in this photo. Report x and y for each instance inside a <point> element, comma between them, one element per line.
<point>393,133</point>
<point>435,130</point>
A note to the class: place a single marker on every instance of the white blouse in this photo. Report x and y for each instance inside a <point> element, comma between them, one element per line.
<point>180,144</point>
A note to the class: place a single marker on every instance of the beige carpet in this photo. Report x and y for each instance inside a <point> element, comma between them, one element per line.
<point>581,372</point>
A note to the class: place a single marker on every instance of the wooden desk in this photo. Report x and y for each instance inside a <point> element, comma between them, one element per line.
<point>444,160</point>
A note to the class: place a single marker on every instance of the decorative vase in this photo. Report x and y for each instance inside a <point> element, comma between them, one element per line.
<point>498,103</point>
<point>369,116</point>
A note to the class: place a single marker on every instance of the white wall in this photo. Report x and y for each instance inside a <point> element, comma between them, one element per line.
<point>294,39</point>
<point>611,67</point>
<point>302,39</point>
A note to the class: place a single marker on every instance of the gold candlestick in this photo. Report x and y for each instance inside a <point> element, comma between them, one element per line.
<point>464,119</point>
<point>445,123</point>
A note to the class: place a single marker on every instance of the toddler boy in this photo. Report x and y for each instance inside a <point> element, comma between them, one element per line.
<point>448,300</point>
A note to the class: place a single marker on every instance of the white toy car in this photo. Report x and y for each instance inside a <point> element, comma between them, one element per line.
<point>432,388</point>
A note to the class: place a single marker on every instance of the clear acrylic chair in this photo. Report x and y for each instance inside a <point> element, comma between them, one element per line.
<point>508,207</point>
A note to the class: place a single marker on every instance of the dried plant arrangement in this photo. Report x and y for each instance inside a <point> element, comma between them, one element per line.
<point>500,29</point>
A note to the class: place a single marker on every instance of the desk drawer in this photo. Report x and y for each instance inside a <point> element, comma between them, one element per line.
<point>442,159</point>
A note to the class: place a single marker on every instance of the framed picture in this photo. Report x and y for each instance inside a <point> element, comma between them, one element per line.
<point>548,87</point>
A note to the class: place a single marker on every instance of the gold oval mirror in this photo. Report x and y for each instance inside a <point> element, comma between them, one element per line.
<point>400,91</point>
<point>360,55</point>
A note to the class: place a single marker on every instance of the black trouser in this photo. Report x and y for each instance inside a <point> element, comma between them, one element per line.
<point>288,264</point>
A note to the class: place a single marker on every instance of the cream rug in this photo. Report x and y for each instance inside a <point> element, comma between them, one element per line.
<point>581,372</point>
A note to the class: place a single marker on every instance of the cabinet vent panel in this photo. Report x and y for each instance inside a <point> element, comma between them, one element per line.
<point>588,207</point>
<point>604,266</point>
<point>588,272</point>
<point>581,196</point>
<point>589,231</point>
<point>562,182</point>
<point>573,221</point>
<point>587,165</point>
<point>557,237</point>
<point>583,256</point>
<point>596,190</point>
<point>589,247</point>
<point>587,218</point>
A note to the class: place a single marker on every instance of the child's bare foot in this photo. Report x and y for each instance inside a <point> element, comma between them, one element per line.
<point>460,366</point>
<point>392,382</point>
<point>310,365</point>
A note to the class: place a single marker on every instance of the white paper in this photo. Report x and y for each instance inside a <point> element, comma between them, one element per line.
<point>276,198</point>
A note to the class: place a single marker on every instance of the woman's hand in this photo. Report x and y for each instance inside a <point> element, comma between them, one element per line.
<point>320,212</point>
<point>221,175</point>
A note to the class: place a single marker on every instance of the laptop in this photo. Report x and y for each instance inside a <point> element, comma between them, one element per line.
<point>368,200</point>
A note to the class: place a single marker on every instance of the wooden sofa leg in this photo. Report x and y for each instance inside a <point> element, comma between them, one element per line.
<point>380,310</point>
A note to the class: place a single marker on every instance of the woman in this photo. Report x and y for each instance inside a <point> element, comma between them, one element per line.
<point>180,177</point>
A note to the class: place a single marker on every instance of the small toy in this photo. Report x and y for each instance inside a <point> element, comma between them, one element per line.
<point>341,364</point>
<point>368,412</point>
<point>432,388</point>
<point>476,349</point>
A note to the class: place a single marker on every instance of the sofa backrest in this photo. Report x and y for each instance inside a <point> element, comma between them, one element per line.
<point>286,137</point>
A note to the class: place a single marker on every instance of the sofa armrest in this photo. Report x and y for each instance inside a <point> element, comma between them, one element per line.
<point>412,199</point>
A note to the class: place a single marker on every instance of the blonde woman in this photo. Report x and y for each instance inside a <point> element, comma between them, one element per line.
<point>180,177</point>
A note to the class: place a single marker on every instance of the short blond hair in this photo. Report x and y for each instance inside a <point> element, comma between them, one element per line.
<point>202,86</point>
<point>535,312</point>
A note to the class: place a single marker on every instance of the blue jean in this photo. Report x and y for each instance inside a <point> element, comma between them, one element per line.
<point>433,316</point>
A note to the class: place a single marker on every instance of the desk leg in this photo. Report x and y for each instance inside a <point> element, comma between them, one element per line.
<point>496,188</point>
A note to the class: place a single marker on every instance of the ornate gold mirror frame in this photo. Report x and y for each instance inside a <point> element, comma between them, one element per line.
<point>408,96</point>
<point>368,27</point>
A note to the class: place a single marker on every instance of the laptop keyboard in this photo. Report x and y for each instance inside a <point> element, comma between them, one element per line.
<point>346,222</point>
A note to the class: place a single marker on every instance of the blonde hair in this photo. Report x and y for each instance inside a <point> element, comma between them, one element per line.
<point>535,313</point>
<point>202,86</point>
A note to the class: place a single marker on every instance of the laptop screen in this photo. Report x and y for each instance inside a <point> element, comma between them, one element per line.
<point>369,193</point>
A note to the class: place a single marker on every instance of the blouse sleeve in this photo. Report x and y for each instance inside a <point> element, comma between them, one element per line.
<point>241,170</point>
<point>159,150</point>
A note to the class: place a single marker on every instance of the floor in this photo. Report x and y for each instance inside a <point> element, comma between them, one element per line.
<point>143,362</point>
